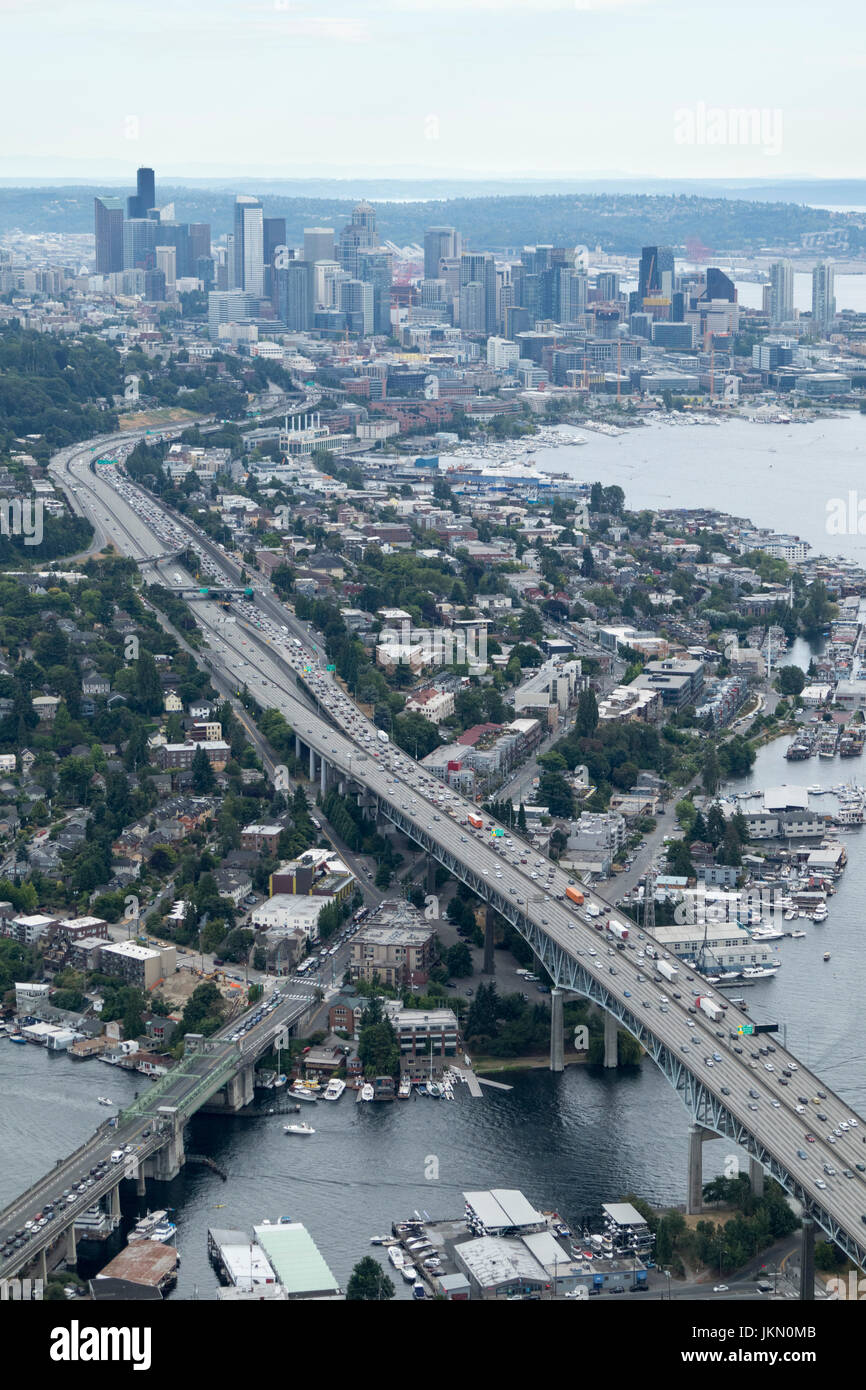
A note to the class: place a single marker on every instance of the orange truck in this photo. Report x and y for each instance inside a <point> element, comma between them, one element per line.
<point>475,821</point>
<point>575,895</point>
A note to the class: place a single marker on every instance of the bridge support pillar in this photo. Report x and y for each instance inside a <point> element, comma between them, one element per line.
<point>611,1055</point>
<point>43,1266</point>
<point>312,765</point>
<point>71,1247</point>
<point>694,1193</point>
<point>489,967</point>
<point>297,746</point>
<point>807,1261</point>
<point>167,1162</point>
<point>557,1040</point>
<point>240,1089</point>
<point>323,770</point>
<point>756,1178</point>
<point>115,1198</point>
<point>140,1182</point>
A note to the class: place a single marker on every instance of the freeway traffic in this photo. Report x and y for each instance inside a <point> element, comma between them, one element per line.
<point>783,1114</point>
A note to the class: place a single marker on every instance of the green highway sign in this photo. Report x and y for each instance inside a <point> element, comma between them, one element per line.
<point>330,668</point>
<point>746,1029</point>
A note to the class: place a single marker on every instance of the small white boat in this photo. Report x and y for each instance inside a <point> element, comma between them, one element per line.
<point>795,934</point>
<point>103,1100</point>
<point>396,1256</point>
<point>405,1089</point>
<point>301,1093</point>
<point>367,1091</point>
<point>302,1128</point>
<point>434,1090</point>
<point>418,1289</point>
<point>409,1273</point>
<point>826,955</point>
<point>334,1089</point>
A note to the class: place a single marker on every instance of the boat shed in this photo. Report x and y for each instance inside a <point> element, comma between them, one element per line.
<point>504,1212</point>
<point>296,1260</point>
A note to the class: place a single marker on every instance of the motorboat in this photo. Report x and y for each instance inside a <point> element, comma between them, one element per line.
<point>409,1273</point>
<point>302,1128</point>
<point>826,955</point>
<point>396,1256</point>
<point>334,1089</point>
<point>434,1090</point>
<point>146,1228</point>
<point>418,1289</point>
<point>367,1092</point>
<point>795,934</point>
<point>759,972</point>
<point>301,1093</point>
<point>103,1100</point>
<point>405,1089</point>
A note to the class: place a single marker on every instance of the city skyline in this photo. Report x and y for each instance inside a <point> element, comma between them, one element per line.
<point>468,88</point>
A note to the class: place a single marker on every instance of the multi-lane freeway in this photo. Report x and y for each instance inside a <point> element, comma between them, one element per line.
<point>761,1098</point>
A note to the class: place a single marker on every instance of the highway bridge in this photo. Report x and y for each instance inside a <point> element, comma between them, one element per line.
<point>728,1090</point>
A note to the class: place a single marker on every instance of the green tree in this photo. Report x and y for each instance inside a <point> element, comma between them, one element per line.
<point>203,779</point>
<point>368,1283</point>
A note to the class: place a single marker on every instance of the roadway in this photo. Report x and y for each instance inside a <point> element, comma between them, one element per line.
<point>715,1075</point>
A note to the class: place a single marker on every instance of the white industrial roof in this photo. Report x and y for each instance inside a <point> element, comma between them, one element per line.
<point>503,1207</point>
<point>623,1213</point>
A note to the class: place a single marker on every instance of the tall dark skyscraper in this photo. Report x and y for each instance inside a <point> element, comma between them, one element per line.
<point>199,240</point>
<point>358,235</point>
<point>656,272</point>
<point>274,235</point>
<point>719,285</point>
<point>144,198</point>
<point>108,228</point>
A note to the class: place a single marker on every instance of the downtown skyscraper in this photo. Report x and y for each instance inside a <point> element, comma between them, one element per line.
<point>249,246</point>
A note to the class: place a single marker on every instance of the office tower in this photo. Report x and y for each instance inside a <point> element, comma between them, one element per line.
<point>479,268</point>
<point>318,244</point>
<point>356,302</point>
<point>648,282</point>
<point>327,277</point>
<point>230,266</point>
<point>294,295</point>
<point>166,261</point>
<point>154,286</point>
<point>205,270</point>
<point>607,285</point>
<point>472,307</point>
<point>823,299</point>
<point>199,240</point>
<point>572,287</point>
<point>144,197</point>
<point>139,239</point>
<point>720,286</point>
<point>440,244</point>
<point>536,259</point>
<point>229,306</point>
<point>516,319</point>
<point>678,306</point>
<point>666,271</point>
<point>781,293</point>
<point>176,234</point>
<point>273,235</point>
<point>108,229</point>
<point>433,293</point>
<point>358,235</point>
<point>249,245</point>
<point>375,267</point>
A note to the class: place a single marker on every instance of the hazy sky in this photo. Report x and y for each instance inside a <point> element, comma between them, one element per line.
<point>307,87</point>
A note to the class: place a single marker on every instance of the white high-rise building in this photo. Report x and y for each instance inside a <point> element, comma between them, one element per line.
<point>781,293</point>
<point>502,354</point>
<point>249,245</point>
<point>823,298</point>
